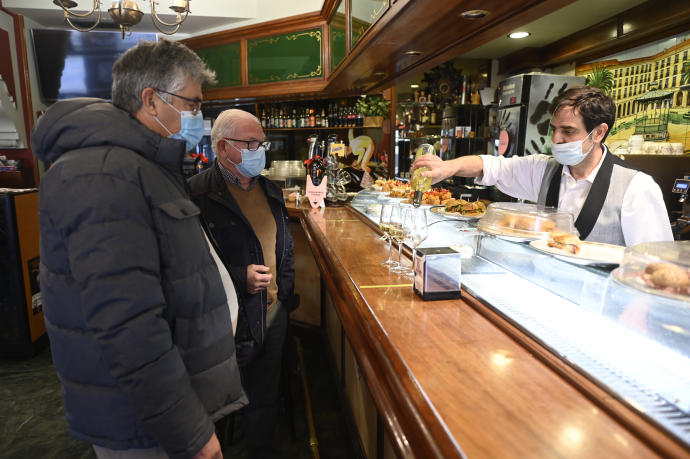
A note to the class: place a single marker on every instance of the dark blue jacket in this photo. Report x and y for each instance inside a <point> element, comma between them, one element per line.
<point>240,247</point>
<point>134,305</point>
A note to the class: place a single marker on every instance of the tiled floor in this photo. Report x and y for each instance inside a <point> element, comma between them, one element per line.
<point>32,423</point>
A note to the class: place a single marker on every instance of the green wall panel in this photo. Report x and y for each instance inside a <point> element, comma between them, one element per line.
<point>225,60</point>
<point>291,56</point>
<point>364,13</point>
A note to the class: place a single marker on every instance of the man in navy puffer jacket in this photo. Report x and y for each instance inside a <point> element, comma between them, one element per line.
<point>137,302</point>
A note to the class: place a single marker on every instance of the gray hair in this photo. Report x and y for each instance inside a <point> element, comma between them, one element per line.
<point>226,125</point>
<point>164,64</point>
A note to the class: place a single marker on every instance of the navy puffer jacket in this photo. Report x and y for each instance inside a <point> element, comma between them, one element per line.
<point>134,305</point>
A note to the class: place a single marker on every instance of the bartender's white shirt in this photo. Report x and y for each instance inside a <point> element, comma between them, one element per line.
<point>228,285</point>
<point>643,212</point>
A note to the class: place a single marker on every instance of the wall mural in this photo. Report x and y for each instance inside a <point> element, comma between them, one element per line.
<point>652,94</point>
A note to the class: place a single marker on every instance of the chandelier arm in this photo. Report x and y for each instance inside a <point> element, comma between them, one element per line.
<point>180,19</point>
<point>154,18</point>
<point>96,5</point>
<point>168,32</point>
<point>79,29</point>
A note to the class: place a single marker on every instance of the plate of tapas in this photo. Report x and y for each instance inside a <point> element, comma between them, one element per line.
<point>570,248</point>
<point>461,210</point>
<point>433,197</point>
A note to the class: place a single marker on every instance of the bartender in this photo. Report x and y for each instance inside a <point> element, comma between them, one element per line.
<point>611,201</point>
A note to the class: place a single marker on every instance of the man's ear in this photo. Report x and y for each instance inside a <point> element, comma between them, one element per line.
<point>148,105</point>
<point>599,132</point>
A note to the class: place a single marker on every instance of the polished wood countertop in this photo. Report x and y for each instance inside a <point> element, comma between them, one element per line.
<point>448,379</point>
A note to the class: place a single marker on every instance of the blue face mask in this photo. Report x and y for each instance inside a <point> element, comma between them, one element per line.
<point>191,127</point>
<point>252,163</point>
<point>570,153</point>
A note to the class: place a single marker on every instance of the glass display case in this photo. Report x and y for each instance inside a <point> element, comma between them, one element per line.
<point>606,322</point>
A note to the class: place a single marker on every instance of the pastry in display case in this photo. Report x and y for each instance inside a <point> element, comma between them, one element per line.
<point>650,293</point>
<point>659,268</point>
<point>520,221</point>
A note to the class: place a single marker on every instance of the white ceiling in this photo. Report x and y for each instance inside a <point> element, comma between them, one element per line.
<point>206,15</point>
<point>216,15</point>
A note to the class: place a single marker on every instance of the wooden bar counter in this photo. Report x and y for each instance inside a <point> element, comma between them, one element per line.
<point>447,378</point>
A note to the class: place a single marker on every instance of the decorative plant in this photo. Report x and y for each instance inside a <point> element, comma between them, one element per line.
<point>373,106</point>
<point>602,78</point>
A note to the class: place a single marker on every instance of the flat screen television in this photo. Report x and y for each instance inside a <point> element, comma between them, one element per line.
<point>76,64</point>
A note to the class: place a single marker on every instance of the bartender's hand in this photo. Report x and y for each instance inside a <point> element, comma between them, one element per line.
<point>438,168</point>
<point>258,278</point>
<point>211,450</point>
<point>464,166</point>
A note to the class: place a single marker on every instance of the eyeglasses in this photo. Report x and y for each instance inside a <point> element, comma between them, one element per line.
<point>196,102</point>
<point>252,145</point>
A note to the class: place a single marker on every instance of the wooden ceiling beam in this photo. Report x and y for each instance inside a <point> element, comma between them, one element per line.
<point>642,24</point>
<point>434,28</point>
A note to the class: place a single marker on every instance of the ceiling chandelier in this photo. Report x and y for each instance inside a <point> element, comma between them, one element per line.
<point>126,13</point>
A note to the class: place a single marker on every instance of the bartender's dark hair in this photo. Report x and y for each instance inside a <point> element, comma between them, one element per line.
<point>163,64</point>
<point>594,106</point>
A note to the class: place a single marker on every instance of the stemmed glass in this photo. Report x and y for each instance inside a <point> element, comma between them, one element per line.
<point>396,231</point>
<point>416,230</point>
<point>384,226</point>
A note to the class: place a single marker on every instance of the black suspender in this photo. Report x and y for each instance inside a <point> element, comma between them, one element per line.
<point>595,198</point>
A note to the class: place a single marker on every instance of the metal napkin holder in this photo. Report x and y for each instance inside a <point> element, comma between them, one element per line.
<point>437,273</point>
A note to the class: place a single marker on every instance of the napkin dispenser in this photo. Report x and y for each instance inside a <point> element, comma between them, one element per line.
<point>437,273</point>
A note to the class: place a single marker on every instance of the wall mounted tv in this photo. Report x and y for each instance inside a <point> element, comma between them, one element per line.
<point>75,64</point>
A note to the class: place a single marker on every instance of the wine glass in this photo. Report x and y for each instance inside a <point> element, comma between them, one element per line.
<point>384,226</point>
<point>396,232</point>
<point>417,231</point>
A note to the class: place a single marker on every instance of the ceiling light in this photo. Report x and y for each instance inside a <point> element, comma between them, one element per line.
<point>519,34</point>
<point>414,86</point>
<point>380,74</point>
<point>474,14</point>
<point>126,13</point>
<point>412,53</point>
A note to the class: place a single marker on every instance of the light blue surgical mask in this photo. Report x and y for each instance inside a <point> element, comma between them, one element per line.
<point>253,162</point>
<point>191,126</point>
<point>570,153</point>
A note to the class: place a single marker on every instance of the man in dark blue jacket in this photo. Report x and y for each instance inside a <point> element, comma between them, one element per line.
<point>246,214</point>
<point>137,303</point>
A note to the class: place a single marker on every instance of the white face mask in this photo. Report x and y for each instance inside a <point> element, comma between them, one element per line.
<point>570,153</point>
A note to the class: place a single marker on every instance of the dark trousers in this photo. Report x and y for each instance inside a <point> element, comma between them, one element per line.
<point>261,382</point>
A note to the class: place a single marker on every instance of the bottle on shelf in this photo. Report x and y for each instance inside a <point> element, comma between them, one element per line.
<point>324,118</point>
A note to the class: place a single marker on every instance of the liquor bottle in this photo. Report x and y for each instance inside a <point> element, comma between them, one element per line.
<point>294,118</point>
<point>330,116</point>
<point>419,183</point>
<point>312,118</point>
<point>263,119</point>
<point>317,117</point>
<point>324,118</point>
